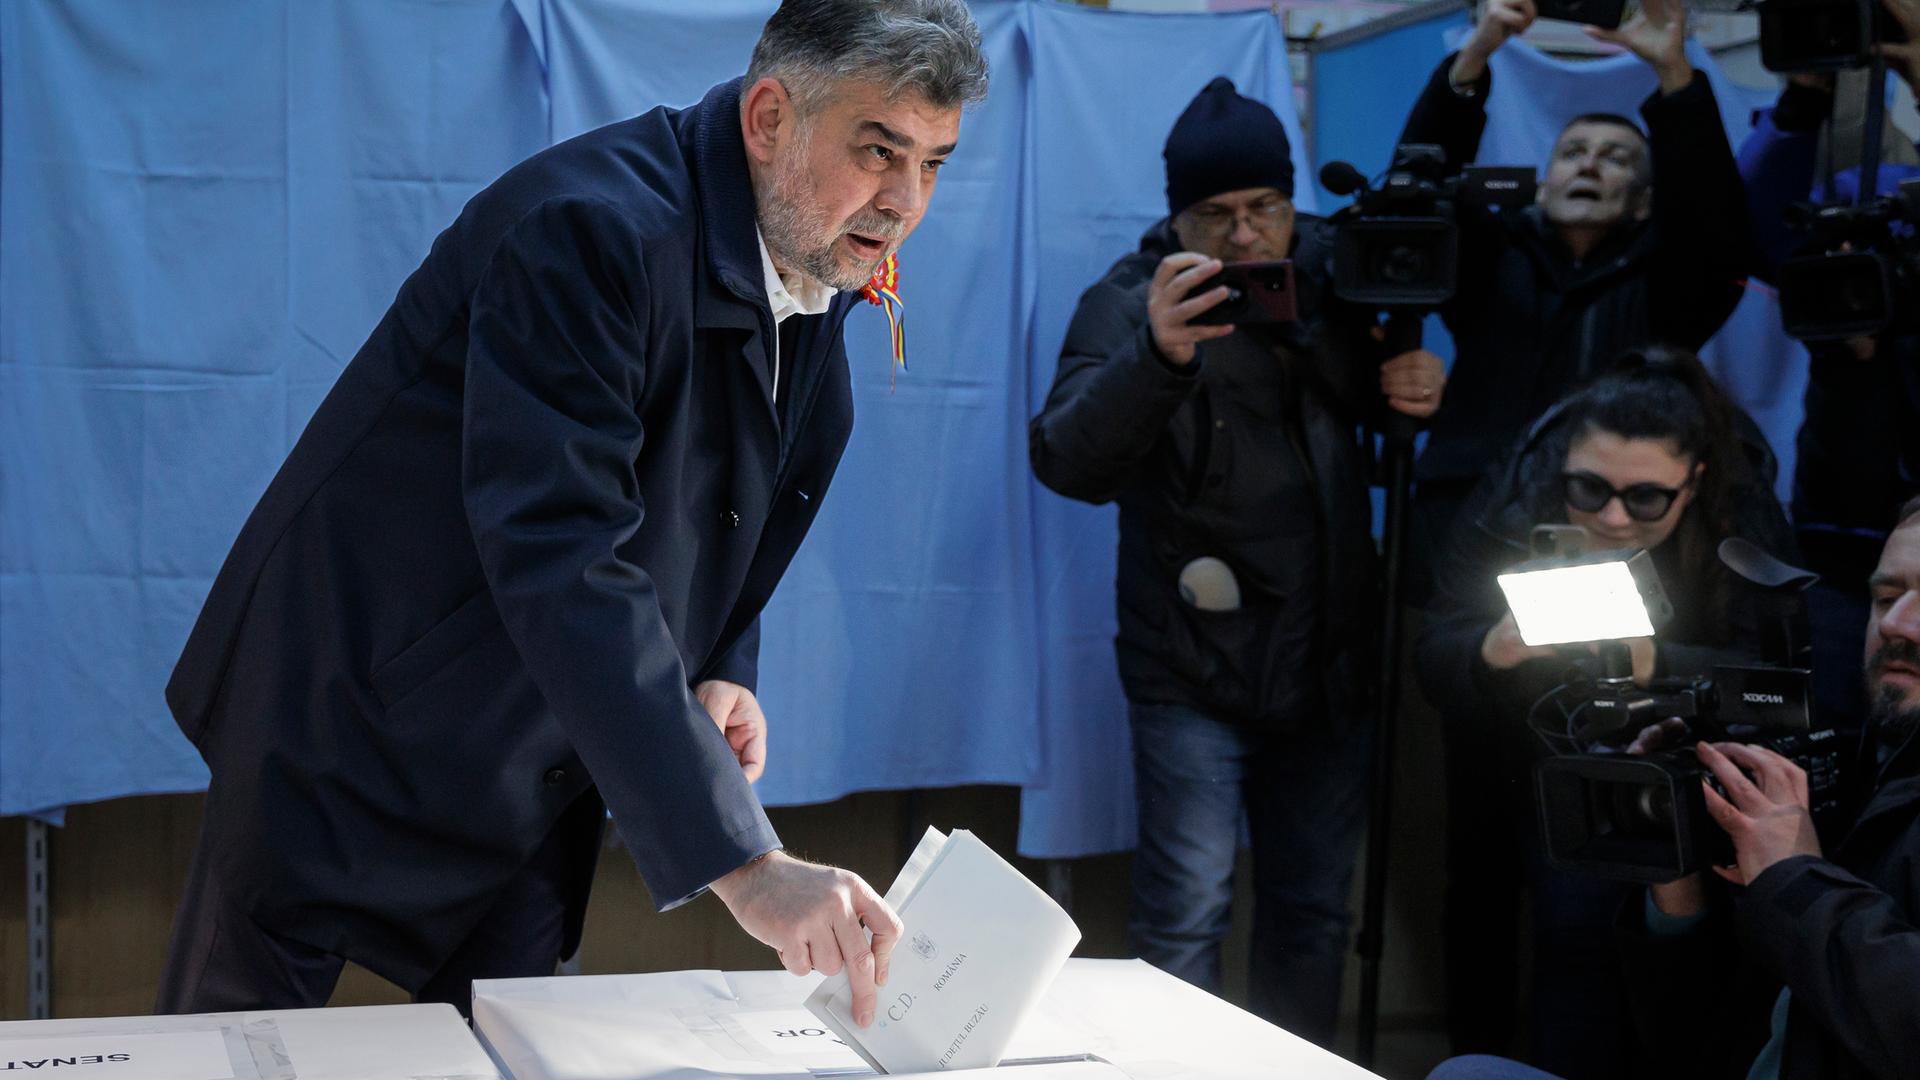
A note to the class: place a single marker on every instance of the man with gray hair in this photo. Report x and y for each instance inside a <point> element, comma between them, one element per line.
<point>509,578</point>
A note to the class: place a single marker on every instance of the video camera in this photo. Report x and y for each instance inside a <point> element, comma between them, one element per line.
<point>1642,816</point>
<point>1398,244</point>
<point>1822,35</point>
<point>1859,273</point>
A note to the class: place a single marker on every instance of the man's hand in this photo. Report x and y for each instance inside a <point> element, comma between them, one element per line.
<point>1413,383</point>
<point>737,712</point>
<point>1170,311</point>
<point>817,918</point>
<point>1767,815</point>
<point>1500,21</point>
<point>1657,33</point>
<point>1903,58</point>
<point>1503,649</point>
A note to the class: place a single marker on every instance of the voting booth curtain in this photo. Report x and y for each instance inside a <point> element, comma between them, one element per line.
<point>206,206</point>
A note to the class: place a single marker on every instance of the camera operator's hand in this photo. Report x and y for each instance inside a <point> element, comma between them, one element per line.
<point>1503,649</point>
<point>1170,311</point>
<point>1657,33</point>
<point>1500,20</point>
<point>1903,58</point>
<point>1412,381</point>
<point>1766,815</point>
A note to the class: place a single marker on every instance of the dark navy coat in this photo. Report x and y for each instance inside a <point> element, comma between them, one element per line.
<point>548,495</point>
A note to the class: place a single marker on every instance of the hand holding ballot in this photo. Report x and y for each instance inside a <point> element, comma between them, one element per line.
<point>986,945</point>
<point>818,919</point>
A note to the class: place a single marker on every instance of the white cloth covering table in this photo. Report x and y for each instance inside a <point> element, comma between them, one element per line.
<point>377,1042</point>
<point>1101,1018</point>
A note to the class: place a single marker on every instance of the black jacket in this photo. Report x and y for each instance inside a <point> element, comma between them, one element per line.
<point>1491,533</point>
<point>548,495</point>
<point>1252,455</point>
<point>1529,324</point>
<point>1842,933</point>
<point>1858,455</point>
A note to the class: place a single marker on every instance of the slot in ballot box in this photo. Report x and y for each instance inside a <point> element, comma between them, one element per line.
<point>375,1042</point>
<point>1111,1019</point>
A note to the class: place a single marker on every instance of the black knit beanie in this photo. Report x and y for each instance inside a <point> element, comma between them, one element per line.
<point>1225,142</point>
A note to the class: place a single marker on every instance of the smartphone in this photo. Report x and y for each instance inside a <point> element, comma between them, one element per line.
<point>1604,13</point>
<point>1259,292</point>
<point>1559,541</point>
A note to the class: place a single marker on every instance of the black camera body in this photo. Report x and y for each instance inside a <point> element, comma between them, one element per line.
<point>1643,817</point>
<point>1822,35</point>
<point>1398,245</point>
<point>1859,273</point>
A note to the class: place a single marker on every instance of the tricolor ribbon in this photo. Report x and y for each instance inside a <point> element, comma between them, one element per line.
<point>884,291</point>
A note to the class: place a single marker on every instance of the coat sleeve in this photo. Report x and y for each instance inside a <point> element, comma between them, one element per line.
<point>1467,604</point>
<point>1112,398</point>
<point>555,364</point>
<point>741,663</point>
<point>1699,208</point>
<point>1848,953</point>
<point>1455,124</point>
<point>1445,119</point>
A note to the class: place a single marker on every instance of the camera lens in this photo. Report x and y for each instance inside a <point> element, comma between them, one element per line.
<point>1403,264</point>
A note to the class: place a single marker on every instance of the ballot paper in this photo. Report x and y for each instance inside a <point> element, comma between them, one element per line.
<point>982,944</point>
<point>171,1055</point>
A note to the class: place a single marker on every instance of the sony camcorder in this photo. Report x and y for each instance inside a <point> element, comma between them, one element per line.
<point>1641,816</point>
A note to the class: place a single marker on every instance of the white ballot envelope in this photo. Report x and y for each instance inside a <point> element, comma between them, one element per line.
<point>982,945</point>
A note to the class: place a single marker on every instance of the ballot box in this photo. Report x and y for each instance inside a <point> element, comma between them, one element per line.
<point>381,1042</point>
<point>1112,1019</point>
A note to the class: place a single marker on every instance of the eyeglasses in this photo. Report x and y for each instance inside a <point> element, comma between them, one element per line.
<point>1212,221</point>
<point>1589,494</point>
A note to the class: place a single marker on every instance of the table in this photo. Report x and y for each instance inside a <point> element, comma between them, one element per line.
<point>378,1042</point>
<point>1134,1020</point>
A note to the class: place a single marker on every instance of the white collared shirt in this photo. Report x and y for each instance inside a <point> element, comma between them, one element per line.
<point>789,294</point>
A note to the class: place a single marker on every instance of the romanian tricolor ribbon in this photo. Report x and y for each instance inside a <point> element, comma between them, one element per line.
<point>884,291</point>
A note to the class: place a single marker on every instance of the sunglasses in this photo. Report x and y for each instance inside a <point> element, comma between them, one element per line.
<point>1589,494</point>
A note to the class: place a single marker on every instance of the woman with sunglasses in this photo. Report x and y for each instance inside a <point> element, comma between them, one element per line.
<point>1651,455</point>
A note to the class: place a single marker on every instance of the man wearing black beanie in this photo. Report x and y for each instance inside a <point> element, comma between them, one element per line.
<point>1246,576</point>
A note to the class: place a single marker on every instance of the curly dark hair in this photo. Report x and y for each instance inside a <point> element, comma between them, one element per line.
<point>1665,395</point>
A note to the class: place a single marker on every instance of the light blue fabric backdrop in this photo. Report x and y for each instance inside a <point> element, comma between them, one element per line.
<point>205,206</point>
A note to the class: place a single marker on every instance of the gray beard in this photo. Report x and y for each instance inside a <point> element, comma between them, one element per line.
<point>802,240</point>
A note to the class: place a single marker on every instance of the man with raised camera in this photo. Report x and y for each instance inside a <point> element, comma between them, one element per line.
<point>1808,968</point>
<point>1246,572</point>
<point>1607,260</point>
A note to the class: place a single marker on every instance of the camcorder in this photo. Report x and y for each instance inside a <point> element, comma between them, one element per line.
<point>1398,244</point>
<point>1606,13</point>
<point>1859,273</point>
<point>1642,817</point>
<point>1801,36</point>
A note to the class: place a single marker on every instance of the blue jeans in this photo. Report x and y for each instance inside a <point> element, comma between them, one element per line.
<point>1482,1067</point>
<point>1303,798</point>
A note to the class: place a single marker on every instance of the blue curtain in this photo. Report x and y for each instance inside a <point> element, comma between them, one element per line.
<point>205,206</point>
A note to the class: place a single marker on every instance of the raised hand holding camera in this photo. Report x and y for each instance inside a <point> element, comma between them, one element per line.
<point>1657,33</point>
<point>1500,21</point>
<point>1170,311</point>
